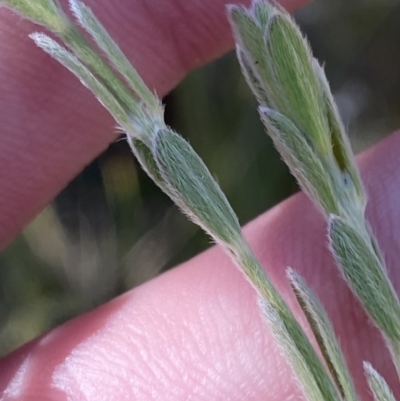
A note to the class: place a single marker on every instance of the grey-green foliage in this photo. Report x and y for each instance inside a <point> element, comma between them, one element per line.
<point>378,386</point>
<point>87,77</point>
<point>90,23</point>
<point>44,12</point>
<point>267,42</point>
<point>340,144</point>
<point>300,156</point>
<point>170,161</point>
<point>315,384</point>
<point>191,186</point>
<point>297,108</point>
<point>292,90</point>
<point>324,335</point>
<point>300,115</point>
<point>363,271</point>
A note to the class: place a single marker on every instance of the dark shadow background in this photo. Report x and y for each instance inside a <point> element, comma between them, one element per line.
<point>112,229</point>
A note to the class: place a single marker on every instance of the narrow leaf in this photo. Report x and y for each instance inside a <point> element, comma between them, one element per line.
<point>146,159</point>
<point>255,83</point>
<point>249,35</point>
<point>44,12</point>
<point>377,384</point>
<point>340,144</point>
<point>91,24</point>
<point>72,63</point>
<point>300,94</point>
<point>272,47</point>
<point>365,274</point>
<point>93,61</point>
<point>193,188</point>
<point>325,336</point>
<point>304,164</point>
<point>309,371</point>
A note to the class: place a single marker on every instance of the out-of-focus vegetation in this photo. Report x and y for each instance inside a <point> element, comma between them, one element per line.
<point>112,229</point>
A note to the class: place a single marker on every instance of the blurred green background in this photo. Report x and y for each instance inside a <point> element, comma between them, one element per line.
<point>112,229</point>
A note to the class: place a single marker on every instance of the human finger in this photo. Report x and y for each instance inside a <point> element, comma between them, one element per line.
<point>195,333</point>
<point>51,126</point>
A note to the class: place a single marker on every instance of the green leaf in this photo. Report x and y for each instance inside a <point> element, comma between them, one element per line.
<point>43,12</point>
<point>272,47</point>
<point>377,384</point>
<point>72,63</point>
<point>146,158</point>
<point>92,59</point>
<point>102,38</point>
<point>251,48</point>
<point>305,165</point>
<point>341,147</point>
<point>325,336</point>
<point>192,187</point>
<point>311,374</point>
<point>365,274</point>
<point>299,92</point>
<point>254,82</point>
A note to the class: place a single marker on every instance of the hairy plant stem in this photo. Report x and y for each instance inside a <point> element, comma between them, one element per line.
<point>299,113</point>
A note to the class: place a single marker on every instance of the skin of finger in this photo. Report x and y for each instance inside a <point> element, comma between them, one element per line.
<point>51,126</point>
<point>195,333</point>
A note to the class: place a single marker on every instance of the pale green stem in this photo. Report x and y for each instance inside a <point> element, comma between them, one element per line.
<point>174,166</point>
<point>300,115</point>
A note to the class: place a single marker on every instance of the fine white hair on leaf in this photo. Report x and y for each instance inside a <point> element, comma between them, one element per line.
<point>91,24</point>
<point>377,384</point>
<point>324,334</point>
<point>312,377</point>
<point>73,64</point>
<point>46,43</point>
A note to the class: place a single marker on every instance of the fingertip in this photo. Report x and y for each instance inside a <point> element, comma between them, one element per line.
<point>196,331</point>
